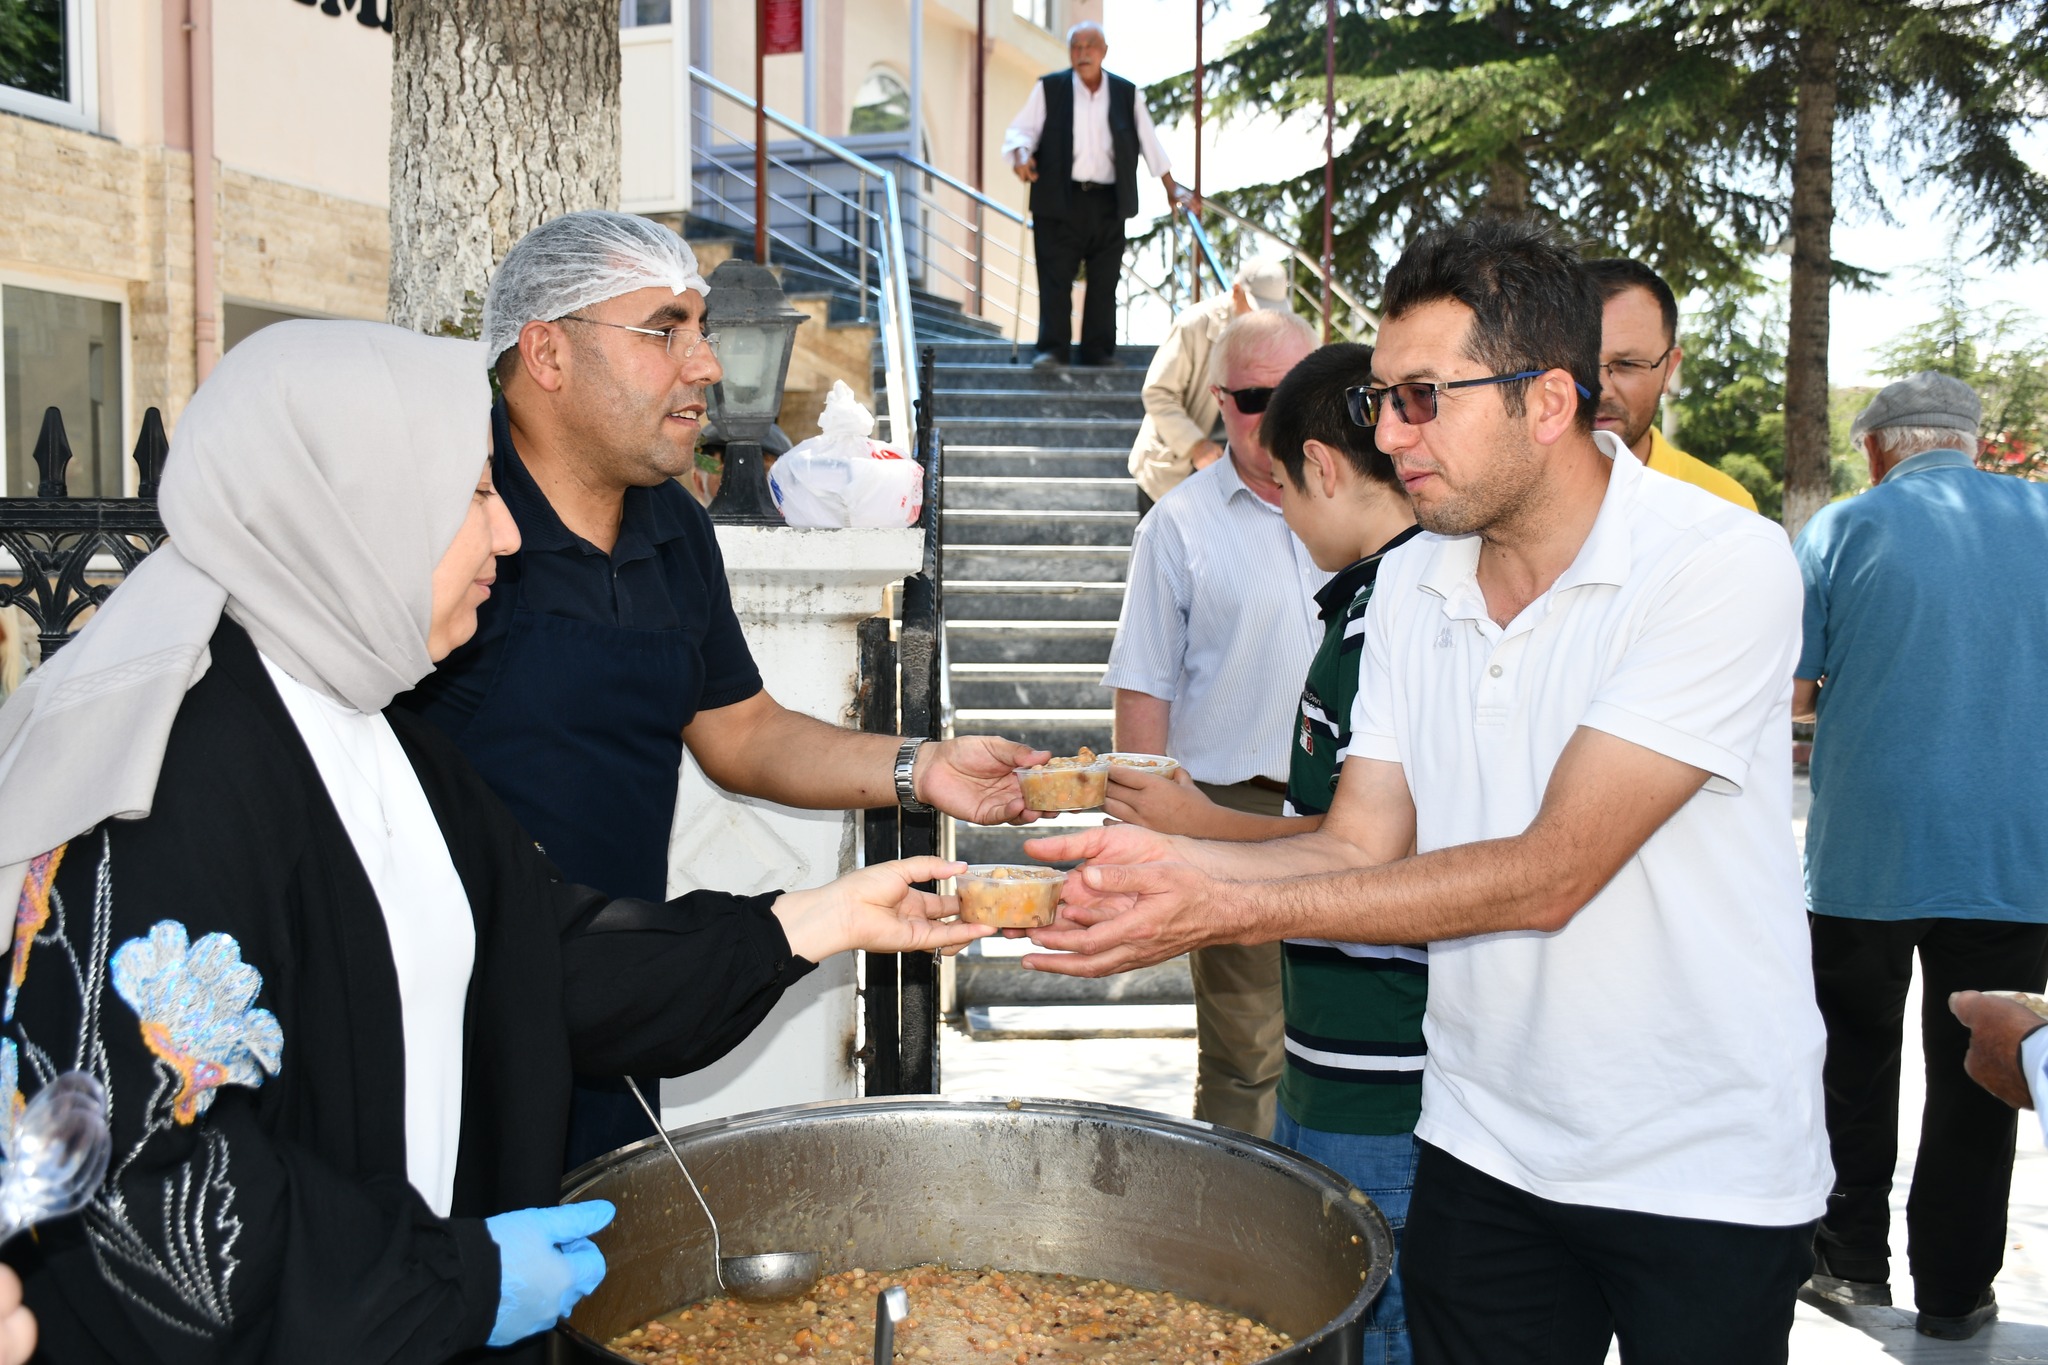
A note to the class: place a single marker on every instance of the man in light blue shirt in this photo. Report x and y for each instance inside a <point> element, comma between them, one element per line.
<point>1924,616</point>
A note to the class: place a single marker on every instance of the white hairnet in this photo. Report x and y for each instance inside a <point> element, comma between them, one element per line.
<point>579,259</point>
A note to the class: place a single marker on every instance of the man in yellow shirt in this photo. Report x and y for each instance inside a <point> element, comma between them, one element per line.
<point>1639,355</point>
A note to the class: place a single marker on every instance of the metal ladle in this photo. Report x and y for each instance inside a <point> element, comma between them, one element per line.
<point>892,1306</point>
<point>768,1275</point>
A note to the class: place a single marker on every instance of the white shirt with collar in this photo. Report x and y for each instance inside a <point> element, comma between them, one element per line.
<point>1662,1052</point>
<point>1094,155</point>
<point>426,914</point>
<point>1220,620</point>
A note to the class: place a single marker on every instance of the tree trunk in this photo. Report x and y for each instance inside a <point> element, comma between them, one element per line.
<point>504,113</point>
<point>1807,475</point>
<point>1507,179</point>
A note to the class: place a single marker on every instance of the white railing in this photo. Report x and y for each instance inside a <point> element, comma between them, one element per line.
<point>837,214</point>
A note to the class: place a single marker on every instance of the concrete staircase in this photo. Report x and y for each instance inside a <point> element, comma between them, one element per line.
<point>1039,511</point>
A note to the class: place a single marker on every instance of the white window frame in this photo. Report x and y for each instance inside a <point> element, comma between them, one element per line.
<point>100,291</point>
<point>82,50</point>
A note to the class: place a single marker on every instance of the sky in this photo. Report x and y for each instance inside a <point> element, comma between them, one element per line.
<point>1152,39</point>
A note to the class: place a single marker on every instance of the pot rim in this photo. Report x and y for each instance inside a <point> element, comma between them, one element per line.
<point>1336,1190</point>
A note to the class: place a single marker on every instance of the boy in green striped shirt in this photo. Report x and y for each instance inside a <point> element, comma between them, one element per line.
<point>1352,1085</point>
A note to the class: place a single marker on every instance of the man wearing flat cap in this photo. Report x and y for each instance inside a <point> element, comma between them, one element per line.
<point>1926,633</point>
<point>1182,411</point>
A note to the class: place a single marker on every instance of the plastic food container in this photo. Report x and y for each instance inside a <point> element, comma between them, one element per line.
<point>2032,1001</point>
<point>1010,895</point>
<point>1065,784</point>
<point>1149,763</point>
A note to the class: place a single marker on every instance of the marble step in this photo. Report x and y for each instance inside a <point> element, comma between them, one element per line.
<point>1038,462</point>
<point>1029,687</point>
<point>1027,600</point>
<point>1011,526</point>
<point>1030,495</point>
<point>1051,563</point>
<point>1029,642</point>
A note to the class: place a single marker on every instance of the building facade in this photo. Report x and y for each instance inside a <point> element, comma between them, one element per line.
<point>127,262</point>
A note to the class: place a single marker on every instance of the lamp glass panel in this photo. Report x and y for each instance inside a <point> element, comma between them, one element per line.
<point>750,353</point>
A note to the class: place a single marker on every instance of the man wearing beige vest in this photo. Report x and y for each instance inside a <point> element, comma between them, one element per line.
<point>1180,409</point>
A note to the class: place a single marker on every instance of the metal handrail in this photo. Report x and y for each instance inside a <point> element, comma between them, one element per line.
<point>899,367</point>
<point>1187,211</point>
<point>1338,289</point>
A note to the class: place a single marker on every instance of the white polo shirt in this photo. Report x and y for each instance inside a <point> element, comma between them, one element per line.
<point>1662,1052</point>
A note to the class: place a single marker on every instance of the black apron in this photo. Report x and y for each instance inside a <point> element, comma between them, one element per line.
<point>597,787</point>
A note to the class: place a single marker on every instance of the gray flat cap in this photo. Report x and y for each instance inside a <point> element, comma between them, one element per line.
<point>1926,399</point>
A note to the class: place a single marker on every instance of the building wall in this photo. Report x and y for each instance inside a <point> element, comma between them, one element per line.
<point>302,131</point>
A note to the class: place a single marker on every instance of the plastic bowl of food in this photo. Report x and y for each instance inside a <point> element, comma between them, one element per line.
<point>1144,763</point>
<point>1076,783</point>
<point>1010,895</point>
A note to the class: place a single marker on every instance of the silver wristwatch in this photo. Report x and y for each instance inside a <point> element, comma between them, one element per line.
<point>906,769</point>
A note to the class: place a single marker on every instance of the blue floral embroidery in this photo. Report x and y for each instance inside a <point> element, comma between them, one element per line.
<point>193,1000</point>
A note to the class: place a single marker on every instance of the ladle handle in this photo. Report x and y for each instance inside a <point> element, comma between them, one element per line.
<point>892,1305</point>
<point>717,1257</point>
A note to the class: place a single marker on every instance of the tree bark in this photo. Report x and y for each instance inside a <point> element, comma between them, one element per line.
<point>1807,474</point>
<point>504,113</point>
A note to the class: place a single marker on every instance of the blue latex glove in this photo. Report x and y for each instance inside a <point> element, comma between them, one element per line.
<point>546,1263</point>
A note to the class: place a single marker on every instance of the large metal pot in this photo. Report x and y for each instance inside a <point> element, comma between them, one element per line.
<point>1041,1185</point>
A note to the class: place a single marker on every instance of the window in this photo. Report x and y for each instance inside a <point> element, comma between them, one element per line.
<point>881,105</point>
<point>1038,12</point>
<point>632,13</point>
<point>64,352</point>
<point>46,69</point>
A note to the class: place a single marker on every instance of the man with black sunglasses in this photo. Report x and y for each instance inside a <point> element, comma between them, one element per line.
<point>1569,773</point>
<point>1219,622</point>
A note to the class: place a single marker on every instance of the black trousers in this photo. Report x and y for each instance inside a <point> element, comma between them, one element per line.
<point>1497,1276</point>
<point>1955,1215</point>
<point>1086,238</point>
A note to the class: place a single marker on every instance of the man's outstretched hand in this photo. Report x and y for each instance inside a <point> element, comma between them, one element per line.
<point>974,778</point>
<point>1120,917</point>
<point>1997,1028</point>
<point>1106,844</point>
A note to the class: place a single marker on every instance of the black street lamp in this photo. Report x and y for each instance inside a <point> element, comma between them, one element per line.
<point>756,330</point>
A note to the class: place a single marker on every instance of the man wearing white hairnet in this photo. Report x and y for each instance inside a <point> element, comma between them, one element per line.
<point>609,641</point>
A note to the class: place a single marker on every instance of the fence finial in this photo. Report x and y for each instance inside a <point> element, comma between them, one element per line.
<point>151,447</point>
<point>52,455</point>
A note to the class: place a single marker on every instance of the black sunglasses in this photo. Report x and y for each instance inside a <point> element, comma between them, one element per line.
<point>1250,402</point>
<point>1415,403</point>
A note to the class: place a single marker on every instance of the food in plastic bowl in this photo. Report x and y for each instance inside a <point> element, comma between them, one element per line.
<point>1077,783</point>
<point>1010,895</point>
<point>1149,763</point>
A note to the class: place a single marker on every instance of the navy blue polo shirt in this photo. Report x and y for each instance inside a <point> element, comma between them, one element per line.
<point>665,573</point>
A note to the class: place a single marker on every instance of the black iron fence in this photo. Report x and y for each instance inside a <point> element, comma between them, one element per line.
<point>60,556</point>
<point>899,694</point>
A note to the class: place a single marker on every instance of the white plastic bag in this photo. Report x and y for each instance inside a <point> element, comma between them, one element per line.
<point>841,477</point>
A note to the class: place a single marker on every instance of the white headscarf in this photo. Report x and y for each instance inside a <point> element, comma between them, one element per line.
<point>312,485</point>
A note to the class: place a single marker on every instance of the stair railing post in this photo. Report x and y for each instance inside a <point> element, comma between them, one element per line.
<point>881,1053</point>
<point>863,252</point>
<point>917,653</point>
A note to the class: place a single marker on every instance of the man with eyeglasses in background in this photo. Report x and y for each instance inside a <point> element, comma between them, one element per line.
<point>1639,359</point>
<point>1570,773</point>
<point>609,642</point>
<point>1219,622</point>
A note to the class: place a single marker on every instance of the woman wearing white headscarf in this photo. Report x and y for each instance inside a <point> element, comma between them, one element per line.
<point>334,994</point>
